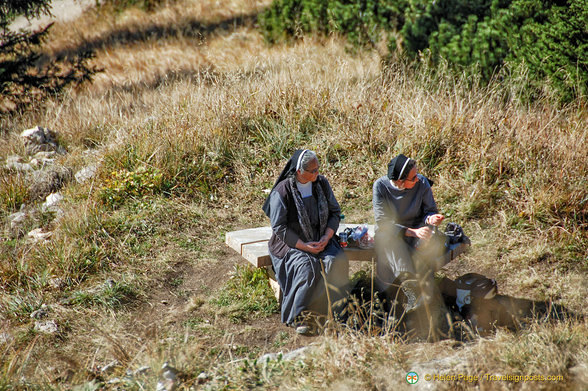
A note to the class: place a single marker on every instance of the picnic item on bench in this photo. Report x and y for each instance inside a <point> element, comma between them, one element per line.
<point>357,237</point>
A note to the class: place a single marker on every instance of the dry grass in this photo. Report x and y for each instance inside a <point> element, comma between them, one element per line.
<point>192,91</point>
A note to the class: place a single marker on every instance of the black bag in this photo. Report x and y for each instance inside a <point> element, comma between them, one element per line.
<point>454,234</point>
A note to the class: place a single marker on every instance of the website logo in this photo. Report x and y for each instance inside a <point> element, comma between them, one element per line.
<point>412,377</point>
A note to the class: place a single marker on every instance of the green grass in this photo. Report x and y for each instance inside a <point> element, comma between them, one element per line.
<point>185,160</point>
<point>247,294</point>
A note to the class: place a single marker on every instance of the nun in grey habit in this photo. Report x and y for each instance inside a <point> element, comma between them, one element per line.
<point>304,217</point>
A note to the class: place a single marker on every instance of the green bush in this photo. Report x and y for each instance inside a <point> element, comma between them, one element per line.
<point>124,185</point>
<point>361,20</point>
<point>546,40</point>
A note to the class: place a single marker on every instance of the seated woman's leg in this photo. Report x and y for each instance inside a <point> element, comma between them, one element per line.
<point>299,277</point>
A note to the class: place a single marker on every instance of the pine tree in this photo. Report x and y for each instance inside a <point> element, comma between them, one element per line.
<point>22,81</point>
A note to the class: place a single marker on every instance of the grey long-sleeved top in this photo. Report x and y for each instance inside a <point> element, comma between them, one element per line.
<point>395,209</point>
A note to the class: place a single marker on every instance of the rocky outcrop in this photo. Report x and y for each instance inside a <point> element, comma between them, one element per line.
<point>40,139</point>
<point>47,181</point>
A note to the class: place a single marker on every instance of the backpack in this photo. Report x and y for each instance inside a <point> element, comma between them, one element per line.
<point>473,296</point>
<point>454,234</point>
<point>472,287</point>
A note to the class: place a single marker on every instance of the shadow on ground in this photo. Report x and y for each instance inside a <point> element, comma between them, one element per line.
<point>189,28</point>
<point>369,313</point>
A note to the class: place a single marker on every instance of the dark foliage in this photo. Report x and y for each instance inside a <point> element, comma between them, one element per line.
<point>547,40</point>
<point>23,81</point>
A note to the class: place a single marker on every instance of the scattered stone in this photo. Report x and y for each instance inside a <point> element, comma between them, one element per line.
<point>52,200</point>
<point>41,313</point>
<point>39,139</point>
<point>17,220</point>
<point>47,181</point>
<point>47,327</point>
<point>169,378</point>
<point>202,378</point>
<point>43,159</point>
<point>142,370</point>
<point>37,235</point>
<point>297,354</point>
<point>86,173</point>
<point>16,163</point>
<point>56,283</point>
<point>6,338</point>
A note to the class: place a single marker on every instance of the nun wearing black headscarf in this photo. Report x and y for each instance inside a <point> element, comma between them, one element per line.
<point>405,213</point>
<point>304,217</point>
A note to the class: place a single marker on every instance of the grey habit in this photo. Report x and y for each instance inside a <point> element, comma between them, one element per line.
<point>396,210</point>
<point>299,273</point>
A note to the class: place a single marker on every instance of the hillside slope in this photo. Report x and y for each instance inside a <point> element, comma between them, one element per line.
<point>191,119</point>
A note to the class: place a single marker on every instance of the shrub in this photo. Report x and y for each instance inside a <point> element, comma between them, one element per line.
<point>545,39</point>
<point>361,20</point>
<point>124,185</point>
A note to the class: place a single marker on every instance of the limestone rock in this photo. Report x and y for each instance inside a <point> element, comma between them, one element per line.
<point>86,173</point>
<point>17,220</point>
<point>41,313</point>
<point>37,235</point>
<point>52,200</point>
<point>47,181</point>
<point>169,378</point>
<point>40,139</point>
<point>17,163</point>
<point>47,327</point>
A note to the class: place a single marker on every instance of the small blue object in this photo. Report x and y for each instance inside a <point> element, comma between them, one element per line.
<point>359,231</point>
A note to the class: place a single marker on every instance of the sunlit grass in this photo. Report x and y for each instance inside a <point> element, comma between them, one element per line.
<point>188,129</point>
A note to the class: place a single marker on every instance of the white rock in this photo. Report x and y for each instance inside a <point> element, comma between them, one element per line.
<point>142,371</point>
<point>169,379</point>
<point>56,283</point>
<point>47,327</point>
<point>53,199</point>
<point>38,139</point>
<point>45,155</point>
<point>86,173</point>
<point>36,135</point>
<point>109,368</point>
<point>37,235</point>
<point>15,162</point>
<point>6,338</point>
<point>41,313</point>
<point>16,219</point>
<point>202,378</point>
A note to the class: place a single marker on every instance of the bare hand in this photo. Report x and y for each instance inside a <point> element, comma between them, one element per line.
<point>422,233</point>
<point>314,247</point>
<point>324,241</point>
<point>435,219</point>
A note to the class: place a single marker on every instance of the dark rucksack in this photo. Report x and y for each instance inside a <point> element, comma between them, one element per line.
<point>454,234</point>
<point>472,287</point>
<point>473,296</point>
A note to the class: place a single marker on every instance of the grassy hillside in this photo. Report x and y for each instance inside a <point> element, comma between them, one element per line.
<point>190,121</point>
